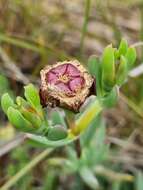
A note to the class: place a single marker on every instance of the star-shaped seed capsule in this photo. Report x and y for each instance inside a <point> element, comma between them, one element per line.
<point>65,84</point>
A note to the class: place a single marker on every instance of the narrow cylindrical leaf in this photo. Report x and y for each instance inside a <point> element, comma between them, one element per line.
<point>94,66</point>
<point>89,178</point>
<point>21,101</point>
<point>123,47</point>
<point>16,119</point>
<point>87,117</point>
<point>111,98</point>
<point>44,142</point>
<point>57,133</point>
<point>32,96</point>
<point>57,117</point>
<point>131,57</point>
<point>122,71</point>
<point>108,68</point>
<point>29,112</point>
<point>6,102</point>
<point>116,53</point>
<point>31,117</point>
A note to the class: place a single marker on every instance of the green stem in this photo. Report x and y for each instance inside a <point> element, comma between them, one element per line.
<point>26,169</point>
<point>84,28</point>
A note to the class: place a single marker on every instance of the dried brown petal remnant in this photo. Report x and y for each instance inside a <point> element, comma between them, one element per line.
<point>65,84</point>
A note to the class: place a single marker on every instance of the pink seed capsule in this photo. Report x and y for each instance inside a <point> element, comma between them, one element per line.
<point>65,84</point>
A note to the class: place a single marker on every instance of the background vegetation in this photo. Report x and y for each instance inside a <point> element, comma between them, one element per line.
<point>35,33</point>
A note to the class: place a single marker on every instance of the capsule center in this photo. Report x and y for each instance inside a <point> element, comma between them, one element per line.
<point>64,78</point>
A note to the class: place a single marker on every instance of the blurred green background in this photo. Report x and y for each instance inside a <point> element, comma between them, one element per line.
<point>34,33</point>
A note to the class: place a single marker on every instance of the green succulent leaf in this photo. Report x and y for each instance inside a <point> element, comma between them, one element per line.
<point>32,96</point>
<point>116,53</point>
<point>21,101</point>
<point>58,118</point>
<point>139,180</point>
<point>111,98</point>
<point>97,147</point>
<point>89,134</point>
<point>57,133</point>
<point>87,117</point>
<point>123,47</point>
<point>29,112</point>
<point>17,120</point>
<point>6,102</point>
<point>37,140</point>
<point>100,145</point>
<point>100,135</point>
<point>89,178</point>
<point>4,84</point>
<point>94,67</point>
<point>108,68</point>
<point>31,117</point>
<point>131,56</point>
<point>122,71</point>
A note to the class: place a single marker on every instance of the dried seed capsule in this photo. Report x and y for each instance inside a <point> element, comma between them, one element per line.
<point>66,84</point>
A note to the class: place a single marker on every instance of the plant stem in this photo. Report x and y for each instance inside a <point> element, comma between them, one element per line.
<point>78,147</point>
<point>26,169</point>
<point>85,23</point>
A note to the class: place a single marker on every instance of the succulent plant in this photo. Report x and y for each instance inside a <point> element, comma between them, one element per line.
<point>68,84</point>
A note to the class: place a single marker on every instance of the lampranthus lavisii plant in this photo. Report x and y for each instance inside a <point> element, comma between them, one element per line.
<point>68,85</point>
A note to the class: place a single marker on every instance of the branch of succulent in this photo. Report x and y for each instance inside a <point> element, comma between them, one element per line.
<point>69,85</point>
